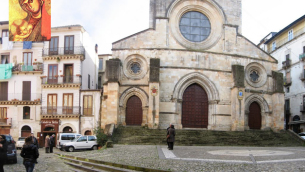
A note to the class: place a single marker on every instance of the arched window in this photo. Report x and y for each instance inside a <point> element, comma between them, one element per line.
<point>26,112</point>
<point>67,130</point>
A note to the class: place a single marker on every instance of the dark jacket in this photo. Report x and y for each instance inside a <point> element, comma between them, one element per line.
<point>171,132</point>
<point>3,150</point>
<point>29,153</point>
<point>52,141</point>
<point>35,142</point>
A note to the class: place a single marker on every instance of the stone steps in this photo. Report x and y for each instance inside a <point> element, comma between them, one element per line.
<point>144,136</point>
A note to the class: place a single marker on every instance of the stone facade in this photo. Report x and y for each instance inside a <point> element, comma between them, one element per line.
<point>160,64</point>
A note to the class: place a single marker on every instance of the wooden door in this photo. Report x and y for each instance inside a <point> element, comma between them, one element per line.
<point>53,46</point>
<point>26,90</point>
<point>134,112</point>
<point>68,74</point>
<point>3,91</point>
<point>52,104</point>
<point>255,117</point>
<point>68,103</point>
<point>25,131</point>
<point>40,139</point>
<point>195,107</point>
<point>53,74</point>
<point>69,44</point>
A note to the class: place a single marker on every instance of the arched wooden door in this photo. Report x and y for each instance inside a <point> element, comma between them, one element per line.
<point>195,107</point>
<point>255,117</point>
<point>134,112</point>
<point>25,131</point>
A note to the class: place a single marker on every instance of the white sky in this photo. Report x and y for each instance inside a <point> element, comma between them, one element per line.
<point>110,20</point>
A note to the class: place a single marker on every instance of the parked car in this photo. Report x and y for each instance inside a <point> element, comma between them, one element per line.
<point>83,142</point>
<point>302,135</point>
<point>20,142</point>
<point>11,149</point>
<point>63,138</point>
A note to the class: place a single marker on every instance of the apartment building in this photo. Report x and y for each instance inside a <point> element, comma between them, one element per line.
<point>288,47</point>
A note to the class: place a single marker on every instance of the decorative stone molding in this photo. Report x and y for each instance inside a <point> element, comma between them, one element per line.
<point>260,100</point>
<point>200,79</point>
<point>61,127</point>
<point>61,85</point>
<point>135,60</point>
<point>131,92</point>
<point>58,116</point>
<point>260,71</point>
<point>20,102</point>
<point>210,9</point>
<point>61,57</point>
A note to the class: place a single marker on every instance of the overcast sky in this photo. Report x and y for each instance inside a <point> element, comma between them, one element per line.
<point>110,20</point>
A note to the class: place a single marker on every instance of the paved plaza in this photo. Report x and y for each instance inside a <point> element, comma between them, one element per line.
<point>183,158</point>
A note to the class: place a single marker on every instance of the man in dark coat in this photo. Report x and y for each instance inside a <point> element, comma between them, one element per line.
<point>171,137</point>
<point>52,143</point>
<point>166,135</point>
<point>35,142</point>
<point>3,152</point>
<point>29,153</point>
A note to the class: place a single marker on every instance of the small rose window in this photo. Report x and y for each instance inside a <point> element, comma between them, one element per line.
<point>254,76</point>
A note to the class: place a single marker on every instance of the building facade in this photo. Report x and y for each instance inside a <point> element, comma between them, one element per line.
<point>193,68</point>
<point>52,87</point>
<point>288,47</point>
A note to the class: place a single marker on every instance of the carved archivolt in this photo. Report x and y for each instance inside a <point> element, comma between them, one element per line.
<point>260,72</point>
<point>199,79</point>
<point>131,92</point>
<point>260,100</point>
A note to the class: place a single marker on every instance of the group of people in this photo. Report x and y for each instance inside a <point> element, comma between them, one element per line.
<point>29,151</point>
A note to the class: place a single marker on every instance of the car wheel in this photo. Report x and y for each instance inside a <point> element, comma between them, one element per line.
<point>71,149</point>
<point>94,147</point>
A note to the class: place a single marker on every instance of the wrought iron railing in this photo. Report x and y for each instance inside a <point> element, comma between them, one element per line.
<point>302,56</point>
<point>286,63</point>
<point>21,97</point>
<point>60,110</point>
<point>61,79</point>
<point>302,108</point>
<point>28,68</point>
<point>302,76</point>
<point>6,121</point>
<point>287,81</point>
<point>63,51</point>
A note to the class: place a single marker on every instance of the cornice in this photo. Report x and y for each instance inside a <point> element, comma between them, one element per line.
<point>59,116</point>
<point>66,56</point>
<point>20,102</point>
<point>61,85</point>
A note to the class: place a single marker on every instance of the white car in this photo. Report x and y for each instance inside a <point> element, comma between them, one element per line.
<point>20,142</point>
<point>302,135</point>
<point>83,142</point>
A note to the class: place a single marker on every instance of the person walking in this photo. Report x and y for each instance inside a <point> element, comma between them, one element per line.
<point>29,153</point>
<point>171,136</point>
<point>167,135</point>
<point>52,143</point>
<point>47,144</point>
<point>3,152</point>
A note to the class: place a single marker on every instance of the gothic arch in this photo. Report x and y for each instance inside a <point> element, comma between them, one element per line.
<point>67,125</point>
<point>131,92</point>
<point>199,79</point>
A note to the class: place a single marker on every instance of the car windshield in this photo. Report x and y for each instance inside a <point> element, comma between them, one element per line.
<point>21,139</point>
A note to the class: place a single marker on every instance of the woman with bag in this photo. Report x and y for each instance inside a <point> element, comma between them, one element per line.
<point>47,143</point>
<point>29,153</point>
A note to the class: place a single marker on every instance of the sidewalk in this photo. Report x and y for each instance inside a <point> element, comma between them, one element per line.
<point>202,158</point>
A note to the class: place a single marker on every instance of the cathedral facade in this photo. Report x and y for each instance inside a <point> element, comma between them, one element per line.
<point>192,68</point>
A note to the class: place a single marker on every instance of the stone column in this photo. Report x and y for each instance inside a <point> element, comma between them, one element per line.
<point>237,99</point>
<point>154,89</point>
<point>278,101</point>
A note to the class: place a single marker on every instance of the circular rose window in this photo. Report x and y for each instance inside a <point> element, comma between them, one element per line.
<point>195,26</point>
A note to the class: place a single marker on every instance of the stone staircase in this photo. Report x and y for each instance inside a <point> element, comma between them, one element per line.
<point>143,136</point>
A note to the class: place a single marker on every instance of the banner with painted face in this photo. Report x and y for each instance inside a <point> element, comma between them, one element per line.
<point>29,20</point>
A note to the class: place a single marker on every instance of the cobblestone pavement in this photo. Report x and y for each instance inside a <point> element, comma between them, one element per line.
<point>46,163</point>
<point>203,158</point>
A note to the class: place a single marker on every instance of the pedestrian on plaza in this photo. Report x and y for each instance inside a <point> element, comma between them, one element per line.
<point>47,144</point>
<point>171,133</point>
<point>3,152</point>
<point>52,142</point>
<point>35,142</point>
<point>29,153</point>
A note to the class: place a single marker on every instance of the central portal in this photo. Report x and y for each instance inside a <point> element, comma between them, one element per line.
<point>134,111</point>
<point>195,107</point>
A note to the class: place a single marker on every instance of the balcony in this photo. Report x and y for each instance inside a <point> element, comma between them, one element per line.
<point>302,108</point>
<point>36,67</point>
<point>60,112</point>
<point>53,80</point>
<point>302,76</point>
<point>287,81</point>
<point>20,98</point>
<point>80,50</point>
<point>6,122</point>
<point>6,71</point>
<point>302,56</point>
<point>287,111</point>
<point>286,64</point>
